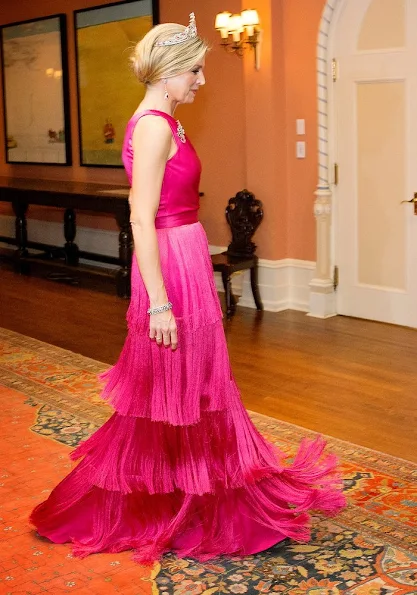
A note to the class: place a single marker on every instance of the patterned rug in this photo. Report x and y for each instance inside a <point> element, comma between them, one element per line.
<point>50,401</point>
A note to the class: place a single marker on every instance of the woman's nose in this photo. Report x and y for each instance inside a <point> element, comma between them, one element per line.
<point>201,78</point>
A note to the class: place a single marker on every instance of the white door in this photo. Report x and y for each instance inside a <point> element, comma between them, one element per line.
<point>375,122</point>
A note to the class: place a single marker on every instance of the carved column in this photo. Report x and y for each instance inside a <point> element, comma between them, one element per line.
<point>322,296</point>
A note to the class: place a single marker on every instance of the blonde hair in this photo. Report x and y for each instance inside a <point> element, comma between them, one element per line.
<point>152,63</point>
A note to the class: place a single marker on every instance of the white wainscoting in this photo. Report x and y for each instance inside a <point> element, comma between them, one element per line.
<point>283,284</point>
<point>100,241</point>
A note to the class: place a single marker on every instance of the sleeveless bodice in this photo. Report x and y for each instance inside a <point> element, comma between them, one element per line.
<point>179,200</point>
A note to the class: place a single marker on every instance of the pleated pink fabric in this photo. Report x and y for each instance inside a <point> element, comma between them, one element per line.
<point>179,466</point>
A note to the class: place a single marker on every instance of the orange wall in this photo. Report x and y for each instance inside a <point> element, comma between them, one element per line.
<point>265,97</point>
<point>243,122</point>
<point>216,121</point>
<point>302,19</point>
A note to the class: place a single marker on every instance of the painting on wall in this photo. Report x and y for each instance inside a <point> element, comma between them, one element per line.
<point>108,92</point>
<point>35,91</point>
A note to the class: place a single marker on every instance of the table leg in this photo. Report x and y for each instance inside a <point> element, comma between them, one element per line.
<point>230,298</point>
<point>70,230</point>
<point>255,287</point>
<point>125,254</point>
<point>20,209</point>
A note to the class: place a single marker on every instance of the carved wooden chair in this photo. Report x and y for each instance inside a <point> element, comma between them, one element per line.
<point>244,214</point>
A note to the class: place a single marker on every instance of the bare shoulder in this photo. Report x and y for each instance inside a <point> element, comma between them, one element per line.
<point>151,140</point>
<point>153,129</point>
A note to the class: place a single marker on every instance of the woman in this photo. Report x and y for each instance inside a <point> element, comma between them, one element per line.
<point>179,466</point>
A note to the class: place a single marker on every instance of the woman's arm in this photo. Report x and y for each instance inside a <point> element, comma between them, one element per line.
<point>151,141</point>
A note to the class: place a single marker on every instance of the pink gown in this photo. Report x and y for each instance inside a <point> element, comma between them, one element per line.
<point>179,466</point>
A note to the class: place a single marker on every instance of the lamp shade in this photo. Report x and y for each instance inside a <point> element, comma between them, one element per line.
<point>249,17</point>
<point>222,20</point>
<point>235,23</point>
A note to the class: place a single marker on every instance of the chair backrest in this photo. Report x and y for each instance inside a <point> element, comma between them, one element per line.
<point>244,214</point>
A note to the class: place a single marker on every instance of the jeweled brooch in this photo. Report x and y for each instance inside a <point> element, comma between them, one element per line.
<point>181,132</point>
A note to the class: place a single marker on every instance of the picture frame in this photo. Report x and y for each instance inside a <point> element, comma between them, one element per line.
<point>107,90</point>
<point>35,91</point>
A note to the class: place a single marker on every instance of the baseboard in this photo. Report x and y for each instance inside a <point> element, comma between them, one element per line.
<point>100,241</point>
<point>283,284</point>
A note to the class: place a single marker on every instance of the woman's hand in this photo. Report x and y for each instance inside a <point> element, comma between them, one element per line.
<point>163,328</point>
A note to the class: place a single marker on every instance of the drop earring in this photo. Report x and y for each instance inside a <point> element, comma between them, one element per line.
<point>166,96</point>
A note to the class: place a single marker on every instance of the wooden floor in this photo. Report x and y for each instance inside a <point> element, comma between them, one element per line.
<point>348,378</point>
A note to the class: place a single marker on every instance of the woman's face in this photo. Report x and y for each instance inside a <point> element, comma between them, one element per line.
<point>183,87</point>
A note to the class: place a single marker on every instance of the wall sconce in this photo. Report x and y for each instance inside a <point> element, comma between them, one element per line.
<point>244,31</point>
<point>52,73</point>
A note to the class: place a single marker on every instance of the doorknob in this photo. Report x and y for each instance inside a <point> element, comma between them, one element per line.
<point>412,200</point>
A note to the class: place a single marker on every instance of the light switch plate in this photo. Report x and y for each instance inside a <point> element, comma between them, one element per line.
<point>300,149</point>
<point>300,126</point>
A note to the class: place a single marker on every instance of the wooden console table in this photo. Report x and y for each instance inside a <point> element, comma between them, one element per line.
<point>71,196</point>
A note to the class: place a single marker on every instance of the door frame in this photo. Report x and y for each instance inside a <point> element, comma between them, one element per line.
<point>322,292</point>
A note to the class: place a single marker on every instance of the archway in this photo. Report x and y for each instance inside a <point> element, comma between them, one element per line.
<point>322,293</point>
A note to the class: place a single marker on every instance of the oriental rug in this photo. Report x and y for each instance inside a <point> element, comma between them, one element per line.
<point>50,400</point>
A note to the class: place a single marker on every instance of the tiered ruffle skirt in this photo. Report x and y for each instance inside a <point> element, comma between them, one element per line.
<point>179,466</point>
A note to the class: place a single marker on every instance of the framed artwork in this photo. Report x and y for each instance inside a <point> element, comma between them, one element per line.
<point>108,92</point>
<point>35,91</point>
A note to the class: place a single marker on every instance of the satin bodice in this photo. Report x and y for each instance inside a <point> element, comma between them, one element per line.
<point>179,200</point>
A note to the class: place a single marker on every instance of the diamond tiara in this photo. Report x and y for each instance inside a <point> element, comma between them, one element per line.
<point>189,33</point>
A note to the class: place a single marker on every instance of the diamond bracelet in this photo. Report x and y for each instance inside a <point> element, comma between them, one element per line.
<point>160,309</point>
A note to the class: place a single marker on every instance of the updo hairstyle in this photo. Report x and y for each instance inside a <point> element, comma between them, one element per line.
<point>152,63</point>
